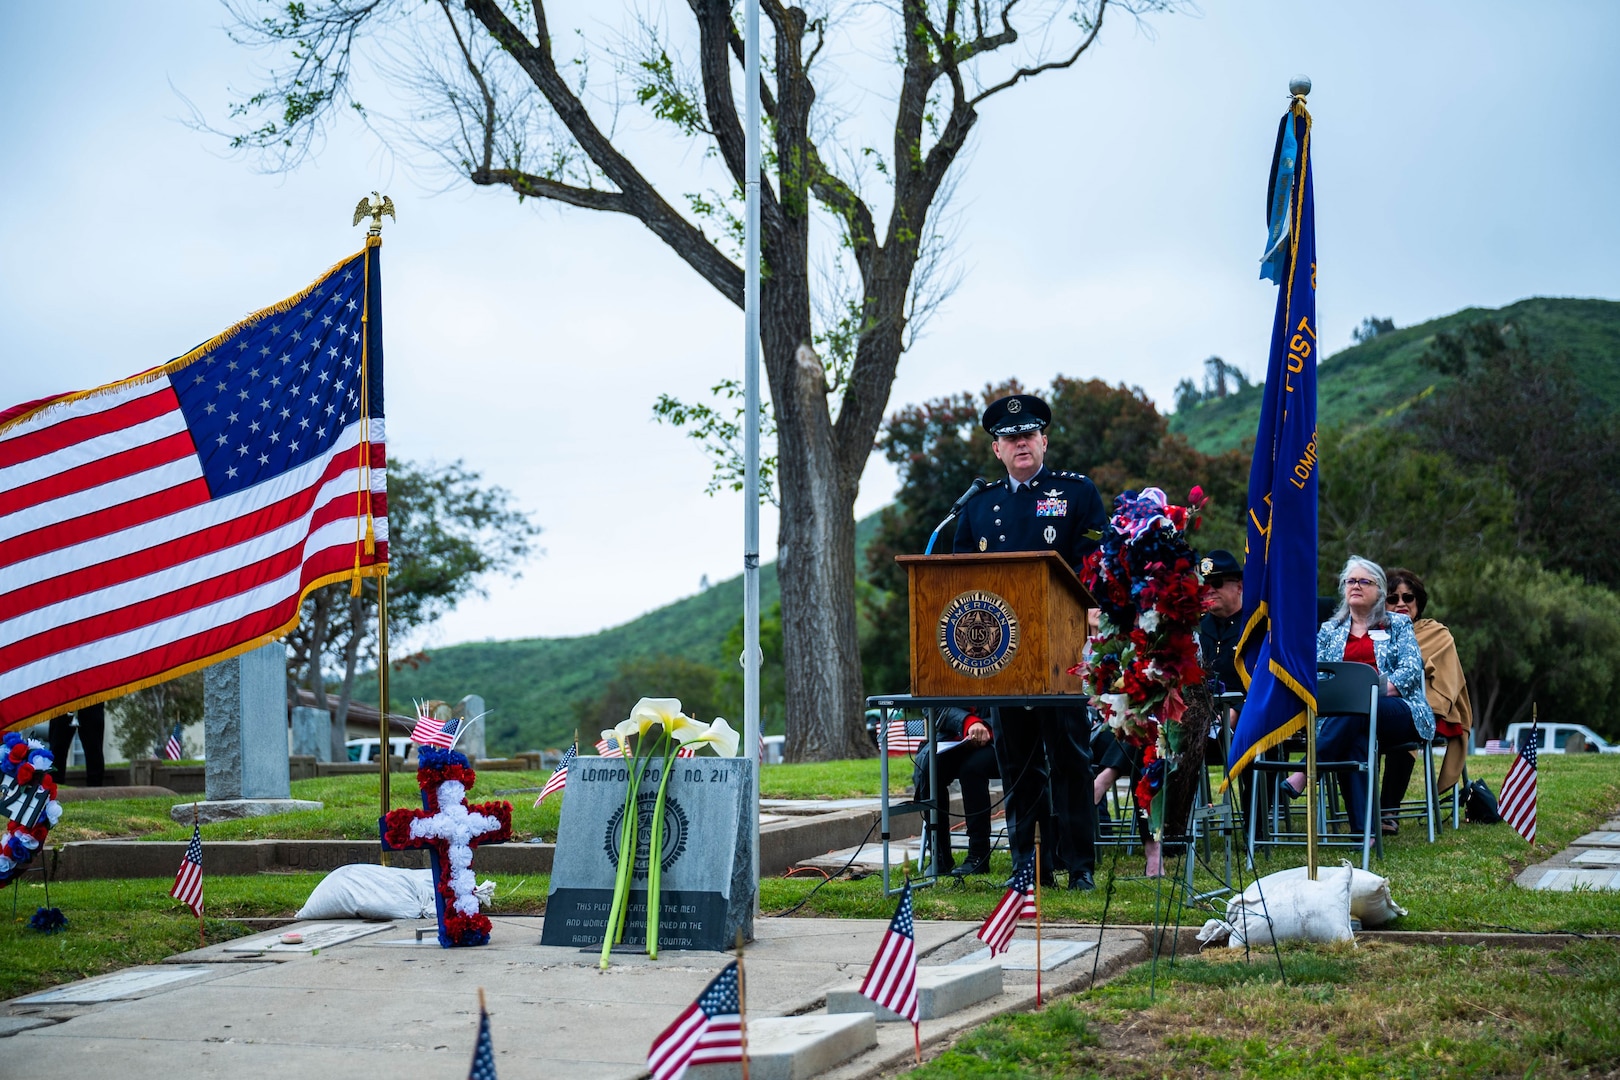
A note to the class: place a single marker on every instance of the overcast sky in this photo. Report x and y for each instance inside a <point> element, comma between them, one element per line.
<point>1108,220</point>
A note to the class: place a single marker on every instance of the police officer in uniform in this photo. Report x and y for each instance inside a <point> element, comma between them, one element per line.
<point>1222,624</point>
<point>1037,509</point>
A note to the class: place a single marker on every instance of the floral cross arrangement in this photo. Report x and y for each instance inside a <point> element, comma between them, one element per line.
<point>656,728</point>
<point>450,828</point>
<point>25,765</point>
<point>1147,588</point>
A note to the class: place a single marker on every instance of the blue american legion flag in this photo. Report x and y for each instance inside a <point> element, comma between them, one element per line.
<point>1276,654</point>
<point>559,777</point>
<point>708,1032</point>
<point>156,525</point>
<point>891,981</point>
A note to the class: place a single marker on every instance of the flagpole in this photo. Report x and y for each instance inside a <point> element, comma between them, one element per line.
<point>751,253</point>
<point>382,691</point>
<point>1037,915</point>
<point>196,823</point>
<point>1310,792</point>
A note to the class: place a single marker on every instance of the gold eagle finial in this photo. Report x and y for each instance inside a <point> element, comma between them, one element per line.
<point>375,207</point>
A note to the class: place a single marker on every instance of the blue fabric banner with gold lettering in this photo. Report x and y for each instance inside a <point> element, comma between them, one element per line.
<point>1276,655</point>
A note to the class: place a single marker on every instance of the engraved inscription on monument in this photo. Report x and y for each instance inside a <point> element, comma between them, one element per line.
<point>706,892</point>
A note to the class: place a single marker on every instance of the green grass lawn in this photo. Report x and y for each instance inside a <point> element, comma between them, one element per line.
<point>1374,1010</point>
<point>1463,882</point>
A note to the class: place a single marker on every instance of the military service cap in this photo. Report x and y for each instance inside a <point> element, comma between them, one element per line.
<point>1219,565</point>
<point>1016,414</point>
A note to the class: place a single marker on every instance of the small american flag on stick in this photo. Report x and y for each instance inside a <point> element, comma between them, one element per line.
<point>559,778</point>
<point>891,981</point>
<point>188,879</point>
<point>440,733</point>
<point>1018,903</point>
<point>172,749</point>
<point>1518,798</point>
<point>708,1032</point>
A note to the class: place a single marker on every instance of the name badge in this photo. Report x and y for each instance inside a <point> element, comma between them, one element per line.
<point>1378,635</point>
<point>1051,507</point>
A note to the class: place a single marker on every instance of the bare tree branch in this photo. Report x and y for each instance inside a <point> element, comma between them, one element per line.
<point>1053,65</point>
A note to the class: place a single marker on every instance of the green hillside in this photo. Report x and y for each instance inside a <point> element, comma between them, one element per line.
<point>1372,380</point>
<point>528,684</point>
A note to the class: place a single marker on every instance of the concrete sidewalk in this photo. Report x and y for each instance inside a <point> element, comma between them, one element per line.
<point>384,1007</point>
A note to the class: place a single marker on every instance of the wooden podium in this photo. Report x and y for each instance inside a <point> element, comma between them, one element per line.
<point>995,625</point>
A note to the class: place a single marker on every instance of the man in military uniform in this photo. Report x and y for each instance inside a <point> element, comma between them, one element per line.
<point>1037,509</point>
<point>1222,624</point>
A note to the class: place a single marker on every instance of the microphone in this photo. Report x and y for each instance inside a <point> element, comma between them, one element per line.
<point>978,485</point>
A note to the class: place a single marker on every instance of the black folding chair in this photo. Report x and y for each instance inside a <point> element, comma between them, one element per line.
<point>1341,690</point>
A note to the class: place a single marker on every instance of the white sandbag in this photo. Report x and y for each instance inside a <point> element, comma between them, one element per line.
<point>1369,894</point>
<point>364,891</point>
<point>1293,909</point>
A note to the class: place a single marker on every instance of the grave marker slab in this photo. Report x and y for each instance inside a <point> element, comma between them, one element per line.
<point>121,985</point>
<point>317,935</point>
<point>1597,857</point>
<point>1597,839</point>
<point>1021,955</point>
<point>707,894</point>
<point>1570,880</point>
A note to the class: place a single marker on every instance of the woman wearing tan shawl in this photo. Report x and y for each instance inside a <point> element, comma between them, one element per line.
<point>1444,682</point>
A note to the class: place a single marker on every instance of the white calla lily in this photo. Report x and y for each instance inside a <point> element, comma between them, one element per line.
<point>718,735</point>
<point>651,712</point>
<point>685,729</point>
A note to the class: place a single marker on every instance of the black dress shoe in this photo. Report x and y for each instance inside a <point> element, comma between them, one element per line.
<point>1081,881</point>
<point>974,864</point>
<point>944,864</point>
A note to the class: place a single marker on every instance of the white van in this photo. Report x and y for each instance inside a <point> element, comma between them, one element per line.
<point>1554,738</point>
<point>365,750</point>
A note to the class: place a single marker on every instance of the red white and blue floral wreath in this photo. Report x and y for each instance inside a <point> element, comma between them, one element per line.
<point>23,762</point>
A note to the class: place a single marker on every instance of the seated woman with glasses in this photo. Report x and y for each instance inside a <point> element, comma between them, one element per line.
<point>1363,631</point>
<point>1444,684</point>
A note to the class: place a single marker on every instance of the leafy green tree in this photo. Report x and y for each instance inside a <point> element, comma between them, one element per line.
<point>1516,407</point>
<point>697,685</point>
<point>1528,635</point>
<point>448,533</point>
<point>851,249</point>
<point>1384,495</point>
<point>142,720</point>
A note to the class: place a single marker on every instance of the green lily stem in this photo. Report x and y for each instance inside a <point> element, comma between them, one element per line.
<point>635,769</point>
<point>655,852</point>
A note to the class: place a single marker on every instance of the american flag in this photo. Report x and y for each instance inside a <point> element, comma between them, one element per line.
<point>559,778</point>
<point>1018,903</point>
<point>607,748</point>
<point>483,1062</point>
<point>188,879</point>
<point>902,736</point>
<point>708,1032</point>
<point>178,517</point>
<point>1518,798</point>
<point>172,749</point>
<point>891,981</point>
<point>431,732</point>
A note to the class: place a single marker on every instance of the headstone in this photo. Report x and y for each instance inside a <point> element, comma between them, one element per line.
<point>312,732</point>
<point>245,725</point>
<point>471,741</point>
<point>707,889</point>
